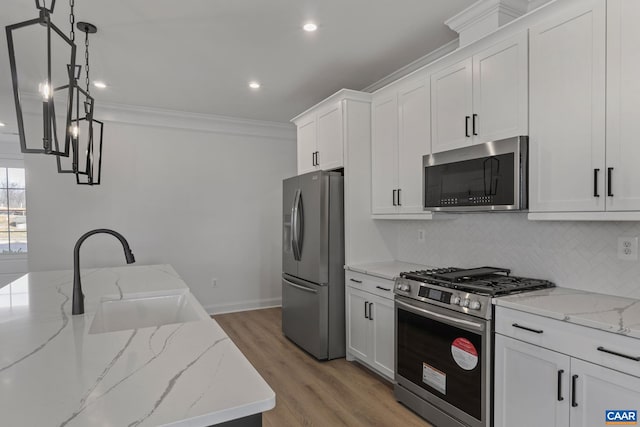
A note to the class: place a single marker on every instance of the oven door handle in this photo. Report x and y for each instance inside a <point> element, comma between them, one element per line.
<point>442,317</point>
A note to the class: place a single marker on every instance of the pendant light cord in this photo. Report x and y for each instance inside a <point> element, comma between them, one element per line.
<point>72,21</point>
<point>86,61</point>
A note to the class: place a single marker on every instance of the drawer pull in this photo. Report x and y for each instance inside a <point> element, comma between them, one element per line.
<point>356,280</point>
<point>383,289</point>
<point>537,331</point>
<point>574,379</point>
<point>560,372</point>
<point>615,353</point>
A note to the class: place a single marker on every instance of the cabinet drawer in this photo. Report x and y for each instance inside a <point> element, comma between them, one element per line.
<point>574,340</point>
<point>372,284</point>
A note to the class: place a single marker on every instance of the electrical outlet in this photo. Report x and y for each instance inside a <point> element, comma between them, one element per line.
<point>628,248</point>
<point>420,235</point>
<point>214,282</point>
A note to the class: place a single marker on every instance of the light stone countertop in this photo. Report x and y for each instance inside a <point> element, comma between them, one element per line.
<point>54,373</point>
<point>385,269</point>
<point>609,313</point>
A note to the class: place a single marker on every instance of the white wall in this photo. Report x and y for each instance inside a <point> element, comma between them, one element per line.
<point>580,255</point>
<point>206,201</point>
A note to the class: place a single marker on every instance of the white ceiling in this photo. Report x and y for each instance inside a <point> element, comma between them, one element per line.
<point>199,55</point>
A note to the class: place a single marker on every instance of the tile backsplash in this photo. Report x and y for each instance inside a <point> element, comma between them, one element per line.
<point>580,255</point>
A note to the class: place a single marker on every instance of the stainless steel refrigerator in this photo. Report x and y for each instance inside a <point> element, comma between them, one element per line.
<point>313,314</point>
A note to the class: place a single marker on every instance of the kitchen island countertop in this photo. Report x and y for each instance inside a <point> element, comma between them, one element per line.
<point>53,372</point>
<point>609,313</point>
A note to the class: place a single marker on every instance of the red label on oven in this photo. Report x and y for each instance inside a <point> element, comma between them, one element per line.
<point>464,353</point>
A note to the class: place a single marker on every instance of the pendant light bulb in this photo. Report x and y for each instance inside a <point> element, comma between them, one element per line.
<point>45,90</point>
<point>75,131</point>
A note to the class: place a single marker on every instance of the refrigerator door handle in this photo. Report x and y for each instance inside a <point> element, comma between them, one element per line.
<point>299,224</point>
<point>294,226</point>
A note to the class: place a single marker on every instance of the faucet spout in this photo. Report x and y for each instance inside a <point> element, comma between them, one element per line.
<point>78,296</point>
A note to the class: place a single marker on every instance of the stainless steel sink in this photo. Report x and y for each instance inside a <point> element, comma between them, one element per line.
<point>145,310</point>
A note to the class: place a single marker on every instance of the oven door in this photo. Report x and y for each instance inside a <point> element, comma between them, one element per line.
<point>444,358</point>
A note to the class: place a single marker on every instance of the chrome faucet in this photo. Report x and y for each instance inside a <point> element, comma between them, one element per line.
<point>78,296</point>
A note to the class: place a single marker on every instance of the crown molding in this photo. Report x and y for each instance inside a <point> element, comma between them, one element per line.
<point>157,117</point>
<point>349,94</point>
<point>484,17</point>
<point>413,66</point>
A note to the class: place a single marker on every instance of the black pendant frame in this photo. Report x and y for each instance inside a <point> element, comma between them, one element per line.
<point>51,138</point>
<point>88,108</point>
<point>91,175</point>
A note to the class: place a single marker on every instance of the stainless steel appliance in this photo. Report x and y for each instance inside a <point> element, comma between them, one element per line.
<point>484,177</point>
<point>313,313</point>
<point>444,341</point>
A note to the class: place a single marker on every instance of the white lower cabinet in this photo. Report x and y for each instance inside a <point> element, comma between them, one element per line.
<point>599,389</point>
<point>370,322</point>
<point>535,385</point>
<point>526,380</point>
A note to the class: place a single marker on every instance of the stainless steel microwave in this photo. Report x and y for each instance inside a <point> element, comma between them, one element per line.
<point>483,177</point>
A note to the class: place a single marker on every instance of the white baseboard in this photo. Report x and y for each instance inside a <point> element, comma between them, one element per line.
<point>233,307</point>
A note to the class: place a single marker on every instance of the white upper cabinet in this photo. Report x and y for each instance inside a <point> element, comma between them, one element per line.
<point>306,144</point>
<point>414,142</point>
<point>384,152</point>
<point>400,137</point>
<point>481,98</point>
<point>451,106</point>
<point>500,90</point>
<point>322,132</point>
<point>623,105</point>
<point>320,138</point>
<point>567,110</point>
<point>330,137</point>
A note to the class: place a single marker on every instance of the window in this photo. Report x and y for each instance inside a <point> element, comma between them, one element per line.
<point>13,212</point>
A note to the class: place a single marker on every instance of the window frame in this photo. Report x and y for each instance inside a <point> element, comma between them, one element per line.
<point>15,161</point>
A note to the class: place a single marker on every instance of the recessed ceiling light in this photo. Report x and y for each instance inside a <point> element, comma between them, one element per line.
<point>310,27</point>
<point>2,125</point>
<point>254,85</point>
<point>100,85</point>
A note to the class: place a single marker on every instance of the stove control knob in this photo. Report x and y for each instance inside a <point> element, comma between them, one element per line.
<point>464,302</point>
<point>474,305</point>
<point>455,300</point>
<point>404,287</point>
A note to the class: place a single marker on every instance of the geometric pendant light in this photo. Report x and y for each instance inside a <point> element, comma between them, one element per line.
<point>90,130</point>
<point>43,66</point>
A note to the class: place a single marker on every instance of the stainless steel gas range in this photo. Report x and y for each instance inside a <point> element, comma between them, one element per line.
<point>443,341</point>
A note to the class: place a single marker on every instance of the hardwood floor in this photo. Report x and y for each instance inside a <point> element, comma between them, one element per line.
<point>310,392</point>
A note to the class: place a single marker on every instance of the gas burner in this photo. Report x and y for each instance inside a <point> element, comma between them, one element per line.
<point>490,281</point>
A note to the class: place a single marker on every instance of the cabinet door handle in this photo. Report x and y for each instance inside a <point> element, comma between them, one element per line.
<point>370,312</point>
<point>473,124</point>
<point>317,158</point>
<point>313,158</point>
<point>595,182</point>
<point>356,280</point>
<point>399,204</point>
<point>394,198</point>
<point>615,353</point>
<point>383,289</point>
<point>609,183</point>
<point>537,331</point>
<point>466,126</point>
<point>366,304</point>
<point>574,379</point>
<point>560,372</point>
